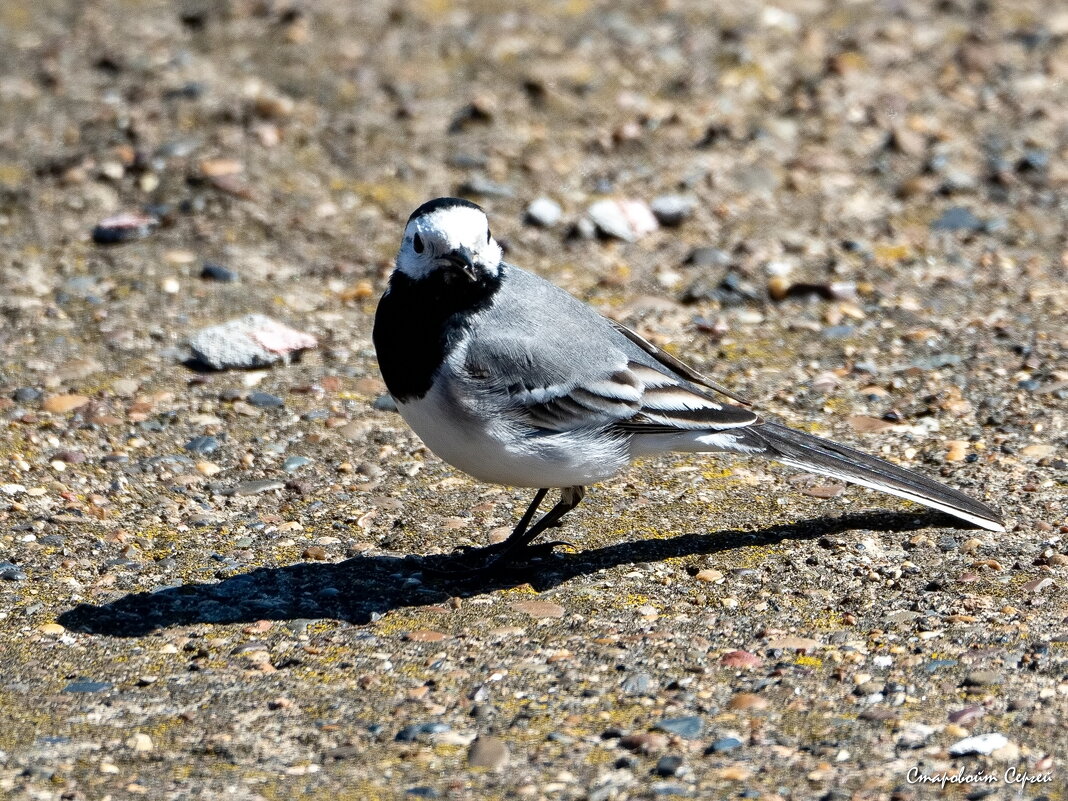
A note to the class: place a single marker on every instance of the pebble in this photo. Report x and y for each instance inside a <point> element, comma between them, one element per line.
<point>672,210</point>
<point>413,731</point>
<point>668,766</point>
<point>984,744</point>
<point>968,714</point>
<point>11,572</point>
<point>688,727</point>
<point>250,341</point>
<point>741,659</point>
<point>742,701</point>
<point>710,575</point>
<point>216,272</point>
<point>384,403</point>
<point>26,395</point>
<point>637,684</point>
<point>124,228</point>
<point>52,628</point>
<point>203,445</point>
<point>265,400</point>
<point>982,678</point>
<point>61,404</point>
<point>86,686</point>
<point>488,752</point>
<point>957,218</point>
<point>723,745</point>
<point>294,463</point>
<point>544,212</point>
<point>708,257</point>
<point>628,220</point>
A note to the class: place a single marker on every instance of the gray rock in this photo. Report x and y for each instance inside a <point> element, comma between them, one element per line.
<point>688,727</point>
<point>671,210</point>
<point>265,400</point>
<point>628,220</point>
<point>203,445</point>
<point>251,341</point>
<point>544,212</point>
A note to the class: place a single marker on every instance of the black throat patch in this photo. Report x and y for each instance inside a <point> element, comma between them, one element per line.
<point>419,323</point>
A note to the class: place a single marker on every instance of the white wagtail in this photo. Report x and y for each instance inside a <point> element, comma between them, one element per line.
<point>514,381</point>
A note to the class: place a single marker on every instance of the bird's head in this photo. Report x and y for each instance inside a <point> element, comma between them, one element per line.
<point>449,238</point>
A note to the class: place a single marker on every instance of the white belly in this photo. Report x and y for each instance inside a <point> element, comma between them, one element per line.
<point>500,451</point>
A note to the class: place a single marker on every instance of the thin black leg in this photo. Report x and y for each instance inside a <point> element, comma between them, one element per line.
<point>519,541</point>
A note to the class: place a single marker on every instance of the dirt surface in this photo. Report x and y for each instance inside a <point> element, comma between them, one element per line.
<point>211,583</point>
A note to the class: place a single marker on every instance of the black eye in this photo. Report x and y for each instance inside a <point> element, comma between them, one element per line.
<point>489,236</point>
<point>417,243</point>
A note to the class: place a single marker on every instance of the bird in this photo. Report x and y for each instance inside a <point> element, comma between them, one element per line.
<point>516,382</point>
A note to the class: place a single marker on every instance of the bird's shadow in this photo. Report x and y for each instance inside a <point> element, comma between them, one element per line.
<point>359,589</point>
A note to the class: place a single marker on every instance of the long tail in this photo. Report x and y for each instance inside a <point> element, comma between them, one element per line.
<point>805,451</point>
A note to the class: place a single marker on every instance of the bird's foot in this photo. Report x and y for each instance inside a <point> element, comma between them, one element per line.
<point>469,561</point>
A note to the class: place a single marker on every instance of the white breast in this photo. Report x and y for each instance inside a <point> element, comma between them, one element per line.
<point>497,450</point>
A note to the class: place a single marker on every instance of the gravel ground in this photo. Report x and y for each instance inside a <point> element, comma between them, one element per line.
<point>209,580</point>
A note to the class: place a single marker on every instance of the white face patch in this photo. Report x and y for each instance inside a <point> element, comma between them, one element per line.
<point>443,231</point>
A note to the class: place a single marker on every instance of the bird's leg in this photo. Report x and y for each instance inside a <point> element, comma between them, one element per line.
<point>518,542</point>
<point>521,538</point>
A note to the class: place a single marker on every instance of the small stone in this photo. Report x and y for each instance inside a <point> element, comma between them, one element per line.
<point>124,228</point>
<point>743,701</point>
<point>984,744</point>
<point>384,403</point>
<point>709,575</point>
<point>488,752</point>
<point>982,678</point>
<point>969,714</point>
<point>250,341</point>
<point>956,450</point>
<point>723,745</point>
<point>668,765</point>
<point>1038,584</point>
<point>957,218</point>
<point>208,468</point>
<point>26,395</point>
<point>52,628</point>
<point>539,608</point>
<point>863,424</point>
<point>86,686</point>
<point>141,743</point>
<point>544,212</point>
<point>740,659</point>
<point>202,445</point>
<point>294,463</point>
<point>216,272</point>
<point>708,257</point>
<point>125,387</point>
<point>61,404</point>
<point>11,572</point>
<point>412,732</point>
<point>637,684</point>
<point>688,727</point>
<point>265,400</point>
<point>316,553</point>
<point>672,210</point>
<point>628,220</point>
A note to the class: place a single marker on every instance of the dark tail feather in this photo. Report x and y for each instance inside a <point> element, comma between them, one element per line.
<point>822,456</point>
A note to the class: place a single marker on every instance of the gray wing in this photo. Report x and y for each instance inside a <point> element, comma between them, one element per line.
<point>558,365</point>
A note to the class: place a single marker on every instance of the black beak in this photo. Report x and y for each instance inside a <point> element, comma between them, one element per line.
<point>462,260</point>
